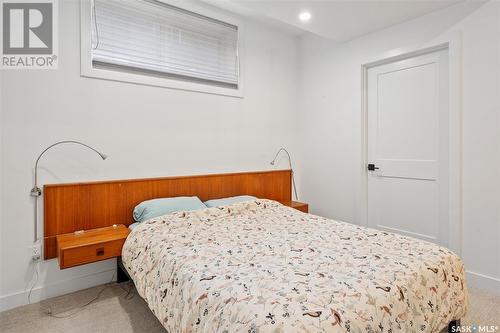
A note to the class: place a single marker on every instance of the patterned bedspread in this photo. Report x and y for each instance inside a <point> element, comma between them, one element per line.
<point>259,266</point>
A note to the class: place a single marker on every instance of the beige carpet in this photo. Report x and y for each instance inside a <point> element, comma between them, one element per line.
<point>117,310</point>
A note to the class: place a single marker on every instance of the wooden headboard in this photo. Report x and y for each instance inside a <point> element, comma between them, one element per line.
<point>83,206</point>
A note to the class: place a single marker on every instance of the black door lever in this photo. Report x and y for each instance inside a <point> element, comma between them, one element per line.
<point>372,167</point>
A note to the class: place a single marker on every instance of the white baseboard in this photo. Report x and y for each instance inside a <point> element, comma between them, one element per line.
<point>483,282</point>
<point>40,293</point>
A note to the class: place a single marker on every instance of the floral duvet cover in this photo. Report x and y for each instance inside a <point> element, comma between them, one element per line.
<point>259,266</point>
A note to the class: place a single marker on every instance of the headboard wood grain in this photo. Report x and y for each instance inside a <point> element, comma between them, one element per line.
<point>83,206</point>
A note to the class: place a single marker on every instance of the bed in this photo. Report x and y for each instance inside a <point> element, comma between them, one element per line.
<point>259,266</point>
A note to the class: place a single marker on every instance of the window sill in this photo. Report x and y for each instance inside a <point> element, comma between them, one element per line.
<point>112,75</point>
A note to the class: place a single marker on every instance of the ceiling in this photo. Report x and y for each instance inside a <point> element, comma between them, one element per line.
<point>339,20</point>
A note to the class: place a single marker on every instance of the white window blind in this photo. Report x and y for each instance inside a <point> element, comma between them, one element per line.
<point>159,39</point>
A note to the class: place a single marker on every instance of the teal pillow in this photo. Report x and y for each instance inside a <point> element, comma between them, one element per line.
<point>228,201</point>
<point>157,207</point>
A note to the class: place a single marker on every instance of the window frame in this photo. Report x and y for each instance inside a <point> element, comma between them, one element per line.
<point>88,70</point>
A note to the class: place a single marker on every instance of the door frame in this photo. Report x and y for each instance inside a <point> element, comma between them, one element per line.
<point>453,45</point>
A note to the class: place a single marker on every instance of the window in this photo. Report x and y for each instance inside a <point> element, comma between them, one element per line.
<point>153,42</point>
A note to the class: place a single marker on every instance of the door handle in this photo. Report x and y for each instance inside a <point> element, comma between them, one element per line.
<point>372,167</point>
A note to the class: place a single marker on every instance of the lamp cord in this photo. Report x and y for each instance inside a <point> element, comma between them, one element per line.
<point>127,296</point>
<point>34,283</point>
<point>294,186</point>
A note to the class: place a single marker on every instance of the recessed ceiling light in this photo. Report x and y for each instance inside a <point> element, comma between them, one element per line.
<point>305,16</point>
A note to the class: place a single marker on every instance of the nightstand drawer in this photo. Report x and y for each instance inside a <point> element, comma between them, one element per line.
<point>92,245</point>
<point>90,253</point>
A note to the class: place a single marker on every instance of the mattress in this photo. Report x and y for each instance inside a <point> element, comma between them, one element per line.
<point>259,266</point>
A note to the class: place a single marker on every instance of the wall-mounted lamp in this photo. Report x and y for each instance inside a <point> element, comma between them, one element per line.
<point>291,168</point>
<point>36,191</point>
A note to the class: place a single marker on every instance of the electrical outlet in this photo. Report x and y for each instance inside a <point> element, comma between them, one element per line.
<point>36,252</point>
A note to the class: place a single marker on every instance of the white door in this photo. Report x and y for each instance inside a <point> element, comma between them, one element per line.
<point>408,139</point>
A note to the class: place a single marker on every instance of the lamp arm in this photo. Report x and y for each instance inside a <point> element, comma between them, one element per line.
<point>58,143</point>
<point>36,191</point>
<point>289,158</point>
<point>276,156</point>
<point>291,168</point>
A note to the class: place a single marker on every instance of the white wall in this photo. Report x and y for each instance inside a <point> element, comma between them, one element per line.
<point>146,131</point>
<point>330,157</point>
